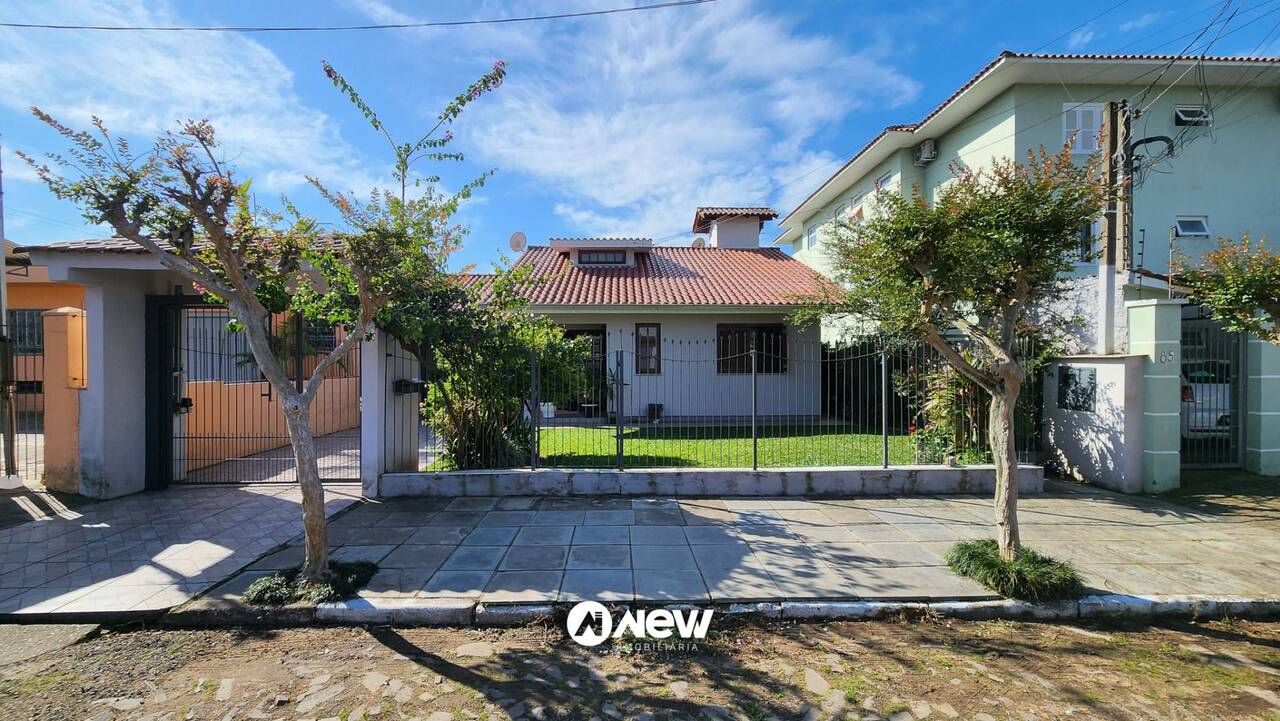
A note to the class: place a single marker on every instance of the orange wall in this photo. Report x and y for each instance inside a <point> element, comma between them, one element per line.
<point>35,291</point>
<point>231,420</point>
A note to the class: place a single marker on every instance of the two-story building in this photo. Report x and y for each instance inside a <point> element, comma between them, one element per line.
<point>1193,140</point>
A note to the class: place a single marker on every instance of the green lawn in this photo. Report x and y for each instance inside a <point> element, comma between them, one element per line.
<point>718,447</point>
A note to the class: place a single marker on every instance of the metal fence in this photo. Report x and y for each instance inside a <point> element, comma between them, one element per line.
<point>751,397</point>
<point>226,424</point>
<point>22,394</point>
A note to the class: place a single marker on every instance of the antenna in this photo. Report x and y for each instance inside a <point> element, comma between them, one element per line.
<point>698,242</point>
<point>518,241</point>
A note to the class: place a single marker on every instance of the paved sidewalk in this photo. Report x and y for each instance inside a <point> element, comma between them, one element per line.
<point>148,551</point>
<point>529,550</point>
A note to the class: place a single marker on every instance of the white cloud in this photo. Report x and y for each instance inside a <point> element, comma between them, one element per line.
<point>1081,37</point>
<point>1140,22</point>
<point>635,119</point>
<point>142,84</point>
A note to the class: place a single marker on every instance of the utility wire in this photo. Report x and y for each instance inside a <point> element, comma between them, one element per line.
<point>839,158</point>
<point>343,28</point>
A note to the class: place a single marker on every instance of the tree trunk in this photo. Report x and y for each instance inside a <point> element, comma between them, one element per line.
<point>297,420</point>
<point>1000,435</point>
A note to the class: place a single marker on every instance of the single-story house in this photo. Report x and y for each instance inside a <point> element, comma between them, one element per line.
<point>682,321</point>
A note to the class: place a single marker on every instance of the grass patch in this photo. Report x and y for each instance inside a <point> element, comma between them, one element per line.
<point>1032,577</point>
<point>285,587</point>
<point>854,688</point>
<point>718,446</point>
<point>41,683</point>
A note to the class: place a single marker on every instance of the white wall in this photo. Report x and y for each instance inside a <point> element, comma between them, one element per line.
<point>113,413</point>
<point>1103,446</point>
<point>735,233</point>
<point>689,385</point>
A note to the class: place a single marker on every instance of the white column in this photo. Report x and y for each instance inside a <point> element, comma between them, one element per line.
<point>373,415</point>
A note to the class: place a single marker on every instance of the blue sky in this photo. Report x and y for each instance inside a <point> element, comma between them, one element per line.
<point>616,125</point>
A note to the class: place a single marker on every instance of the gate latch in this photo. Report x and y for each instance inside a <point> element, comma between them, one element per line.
<point>183,405</point>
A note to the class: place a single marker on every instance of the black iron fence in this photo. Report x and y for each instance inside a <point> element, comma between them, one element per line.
<point>751,397</point>
<point>22,394</point>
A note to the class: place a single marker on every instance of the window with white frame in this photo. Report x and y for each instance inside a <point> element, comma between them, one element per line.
<point>1192,116</point>
<point>882,183</point>
<point>811,237</point>
<point>841,213</point>
<point>1192,226</point>
<point>1081,123</point>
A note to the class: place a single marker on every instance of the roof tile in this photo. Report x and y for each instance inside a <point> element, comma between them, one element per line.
<point>673,276</point>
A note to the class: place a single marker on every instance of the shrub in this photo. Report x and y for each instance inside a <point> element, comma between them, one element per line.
<point>1033,577</point>
<point>284,587</point>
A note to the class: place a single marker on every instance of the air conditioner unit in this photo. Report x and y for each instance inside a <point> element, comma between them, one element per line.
<point>925,153</point>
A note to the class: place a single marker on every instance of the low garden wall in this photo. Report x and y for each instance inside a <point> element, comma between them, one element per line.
<point>836,481</point>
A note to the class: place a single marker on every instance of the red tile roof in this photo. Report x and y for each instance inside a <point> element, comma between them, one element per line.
<point>674,276</point>
<point>90,245</point>
<point>703,217</point>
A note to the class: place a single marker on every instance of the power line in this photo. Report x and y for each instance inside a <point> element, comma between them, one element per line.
<point>1108,11</point>
<point>341,28</point>
<point>1107,91</point>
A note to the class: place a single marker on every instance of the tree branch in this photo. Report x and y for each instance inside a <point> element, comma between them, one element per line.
<point>984,380</point>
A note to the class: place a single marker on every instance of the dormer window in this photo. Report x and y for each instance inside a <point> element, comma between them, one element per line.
<point>602,257</point>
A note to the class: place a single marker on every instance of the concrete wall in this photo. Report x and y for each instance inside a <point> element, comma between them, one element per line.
<point>1262,408</point>
<point>64,329</point>
<point>1102,445</point>
<point>850,481</point>
<point>689,384</point>
<point>113,406</point>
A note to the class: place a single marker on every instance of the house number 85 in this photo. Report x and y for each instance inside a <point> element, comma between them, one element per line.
<point>1167,356</point>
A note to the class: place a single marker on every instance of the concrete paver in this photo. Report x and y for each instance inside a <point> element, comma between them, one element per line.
<point>151,550</point>
<point>769,549</point>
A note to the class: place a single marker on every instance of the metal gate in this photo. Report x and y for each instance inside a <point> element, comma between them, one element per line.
<point>26,338</point>
<point>216,419</point>
<point>1212,381</point>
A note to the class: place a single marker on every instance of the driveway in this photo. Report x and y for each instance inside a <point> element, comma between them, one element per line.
<point>148,551</point>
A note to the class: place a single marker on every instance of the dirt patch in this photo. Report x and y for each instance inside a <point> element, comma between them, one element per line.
<point>903,669</point>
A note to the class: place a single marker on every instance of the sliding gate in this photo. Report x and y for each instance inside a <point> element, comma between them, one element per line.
<point>213,416</point>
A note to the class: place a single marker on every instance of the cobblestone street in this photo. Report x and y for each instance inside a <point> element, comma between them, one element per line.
<point>899,670</point>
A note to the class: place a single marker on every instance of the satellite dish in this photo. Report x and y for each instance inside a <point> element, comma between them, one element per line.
<point>699,242</point>
<point>518,241</point>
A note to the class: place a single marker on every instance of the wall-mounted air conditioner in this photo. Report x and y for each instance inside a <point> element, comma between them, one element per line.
<point>925,153</point>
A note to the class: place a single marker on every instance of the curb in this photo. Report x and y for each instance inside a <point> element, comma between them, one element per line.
<point>1119,607</point>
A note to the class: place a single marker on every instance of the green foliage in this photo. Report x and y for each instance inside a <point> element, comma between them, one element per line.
<point>1239,282</point>
<point>481,374</point>
<point>470,333</point>
<point>970,274</point>
<point>992,245</point>
<point>1032,577</point>
<point>342,582</point>
<point>274,590</point>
